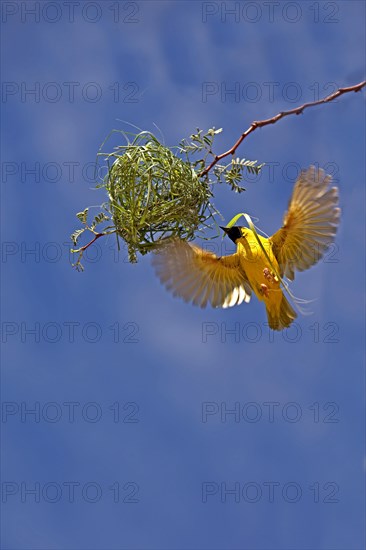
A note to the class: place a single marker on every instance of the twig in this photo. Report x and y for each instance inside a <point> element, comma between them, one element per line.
<point>297,111</point>
<point>97,236</point>
<point>81,250</point>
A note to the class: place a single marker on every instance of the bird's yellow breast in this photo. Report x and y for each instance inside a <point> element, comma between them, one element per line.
<point>256,265</point>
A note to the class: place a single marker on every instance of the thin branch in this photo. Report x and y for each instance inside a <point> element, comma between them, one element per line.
<point>81,250</point>
<point>297,111</point>
<point>97,236</point>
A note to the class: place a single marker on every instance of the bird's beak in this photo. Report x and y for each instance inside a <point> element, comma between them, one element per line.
<point>233,233</point>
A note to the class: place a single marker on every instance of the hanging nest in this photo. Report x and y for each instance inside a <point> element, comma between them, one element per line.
<point>154,194</point>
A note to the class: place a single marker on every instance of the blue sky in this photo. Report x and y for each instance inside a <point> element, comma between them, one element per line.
<point>132,388</point>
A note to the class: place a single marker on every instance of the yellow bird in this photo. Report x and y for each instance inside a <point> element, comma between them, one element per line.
<point>309,227</point>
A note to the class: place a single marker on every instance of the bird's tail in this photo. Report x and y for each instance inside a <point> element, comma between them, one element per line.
<point>280,315</point>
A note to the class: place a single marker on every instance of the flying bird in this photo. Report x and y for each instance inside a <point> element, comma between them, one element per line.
<point>309,227</point>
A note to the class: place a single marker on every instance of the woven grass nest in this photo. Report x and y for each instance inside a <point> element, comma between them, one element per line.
<point>154,194</point>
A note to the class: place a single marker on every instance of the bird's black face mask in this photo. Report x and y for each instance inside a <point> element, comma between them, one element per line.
<point>233,233</point>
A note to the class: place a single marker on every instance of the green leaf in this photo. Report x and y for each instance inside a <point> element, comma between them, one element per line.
<point>75,236</point>
<point>83,216</point>
<point>99,218</point>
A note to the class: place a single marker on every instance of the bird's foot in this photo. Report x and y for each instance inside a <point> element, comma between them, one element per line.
<point>264,290</point>
<point>270,276</point>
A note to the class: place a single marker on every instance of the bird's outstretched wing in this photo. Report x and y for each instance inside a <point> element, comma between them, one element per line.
<point>201,277</point>
<point>309,225</point>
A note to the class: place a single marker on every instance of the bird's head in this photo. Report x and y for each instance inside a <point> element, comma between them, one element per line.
<point>235,232</point>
